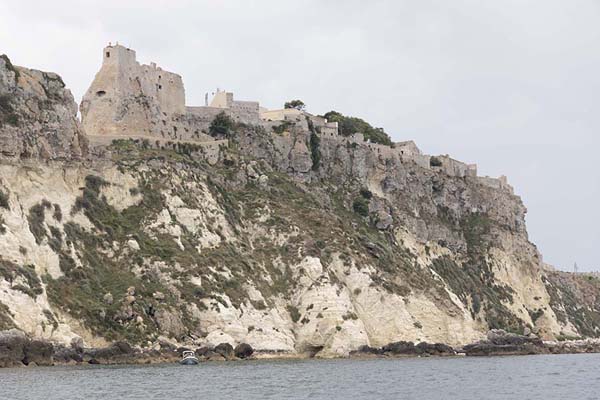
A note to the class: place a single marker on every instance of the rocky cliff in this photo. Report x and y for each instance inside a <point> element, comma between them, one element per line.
<point>290,241</point>
<point>38,117</point>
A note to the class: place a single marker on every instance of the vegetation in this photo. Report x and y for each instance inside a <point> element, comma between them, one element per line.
<point>4,200</point>
<point>7,114</point>
<point>350,125</point>
<point>36,219</point>
<point>284,126</point>
<point>221,126</point>
<point>10,271</point>
<point>296,104</point>
<point>294,313</point>
<point>5,318</point>
<point>476,282</point>
<point>10,66</point>
<point>435,162</point>
<point>315,151</point>
<point>360,205</point>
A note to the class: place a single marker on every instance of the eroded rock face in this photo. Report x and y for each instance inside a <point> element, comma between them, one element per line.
<point>38,116</point>
<point>12,348</point>
<point>500,342</point>
<point>261,245</point>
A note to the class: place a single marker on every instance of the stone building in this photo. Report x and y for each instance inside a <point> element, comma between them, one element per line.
<point>129,99</point>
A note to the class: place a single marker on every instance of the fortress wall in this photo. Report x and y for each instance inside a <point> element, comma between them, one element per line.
<point>407,148</point>
<point>246,112</point>
<point>422,160</point>
<point>130,99</point>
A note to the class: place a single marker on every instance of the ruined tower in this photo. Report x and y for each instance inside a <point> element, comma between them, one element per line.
<point>129,99</point>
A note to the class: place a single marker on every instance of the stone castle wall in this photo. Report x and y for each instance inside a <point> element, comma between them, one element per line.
<point>129,99</point>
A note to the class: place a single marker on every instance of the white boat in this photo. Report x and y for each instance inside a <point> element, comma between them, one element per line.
<point>189,358</point>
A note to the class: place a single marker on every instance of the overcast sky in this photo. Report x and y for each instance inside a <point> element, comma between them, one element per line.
<point>513,86</point>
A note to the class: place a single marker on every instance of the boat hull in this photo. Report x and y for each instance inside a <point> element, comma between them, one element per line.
<point>189,361</point>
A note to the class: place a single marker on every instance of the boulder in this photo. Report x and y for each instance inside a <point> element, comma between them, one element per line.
<point>203,351</point>
<point>243,350</point>
<point>39,352</point>
<point>500,342</point>
<point>66,355</point>
<point>226,350</point>
<point>435,349</point>
<point>214,356</point>
<point>12,348</point>
<point>366,349</point>
<point>400,348</point>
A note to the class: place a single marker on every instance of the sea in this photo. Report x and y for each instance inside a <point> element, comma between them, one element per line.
<point>573,376</point>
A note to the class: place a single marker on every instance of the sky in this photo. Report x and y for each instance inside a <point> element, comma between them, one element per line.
<point>511,85</point>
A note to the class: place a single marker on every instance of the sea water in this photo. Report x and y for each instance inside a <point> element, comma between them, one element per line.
<point>519,377</point>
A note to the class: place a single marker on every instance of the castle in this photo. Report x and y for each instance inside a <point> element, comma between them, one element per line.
<point>131,100</point>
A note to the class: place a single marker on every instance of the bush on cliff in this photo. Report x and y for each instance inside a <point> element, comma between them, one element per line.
<point>350,125</point>
<point>4,200</point>
<point>221,126</point>
<point>361,206</point>
<point>296,104</point>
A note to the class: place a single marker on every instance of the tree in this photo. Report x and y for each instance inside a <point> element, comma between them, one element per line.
<point>350,125</point>
<point>222,125</point>
<point>297,104</point>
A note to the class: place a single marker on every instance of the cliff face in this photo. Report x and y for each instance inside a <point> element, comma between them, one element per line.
<point>38,117</point>
<point>291,242</point>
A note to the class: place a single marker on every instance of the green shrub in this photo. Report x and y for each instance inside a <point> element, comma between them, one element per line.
<point>4,200</point>
<point>315,152</point>
<point>361,206</point>
<point>221,125</point>
<point>435,162</point>
<point>350,125</point>
<point>284,126</point>
<point>36,219</point>
<point>294,313</point>
<point>10,66</point>
<point>297,104</point>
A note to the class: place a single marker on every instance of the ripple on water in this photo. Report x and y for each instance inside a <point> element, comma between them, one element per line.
<point>527,377</point>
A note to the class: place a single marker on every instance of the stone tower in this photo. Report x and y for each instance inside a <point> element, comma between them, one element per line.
<point>129,99</point>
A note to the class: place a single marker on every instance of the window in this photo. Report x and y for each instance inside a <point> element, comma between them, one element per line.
<point>108,54</point>
<point>100,93</point>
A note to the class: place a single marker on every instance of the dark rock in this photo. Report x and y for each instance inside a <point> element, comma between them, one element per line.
<point>117,353</point>
<point>400,348</point>
<point>500,342</point>
<point>213,356</point>
<point>435,349</point>
<point>366,349</point>
<point>66,355</point>
<point>203,351</point>
<point>243,350</point>
<point>226,350</point>
<point>39,352</point>
<point>12,348</point>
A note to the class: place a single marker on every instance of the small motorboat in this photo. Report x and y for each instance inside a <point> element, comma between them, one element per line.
<point>189,358</point>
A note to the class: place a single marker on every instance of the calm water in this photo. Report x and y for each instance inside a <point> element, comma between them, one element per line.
<point>525,377</point>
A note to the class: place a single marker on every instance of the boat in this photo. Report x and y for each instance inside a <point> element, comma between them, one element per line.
<point>189,358</point>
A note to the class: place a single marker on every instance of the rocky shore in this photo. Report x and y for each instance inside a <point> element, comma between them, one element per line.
<point>17,350</point>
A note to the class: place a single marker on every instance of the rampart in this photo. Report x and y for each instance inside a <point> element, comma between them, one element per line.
<point>131,100</point>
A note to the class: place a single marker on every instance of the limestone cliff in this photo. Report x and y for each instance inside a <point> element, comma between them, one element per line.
<point>38,116</point>
<point>290,240</point>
